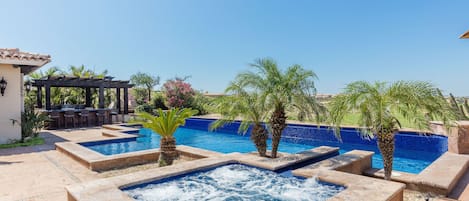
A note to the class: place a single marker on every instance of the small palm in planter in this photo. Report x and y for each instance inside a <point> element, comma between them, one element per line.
<point>165,124</point>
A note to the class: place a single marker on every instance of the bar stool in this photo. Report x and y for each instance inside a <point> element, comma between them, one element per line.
<point>113,114</point>
<point>84,116</point>
<point>100,117</point>
<point>69,114</point>
<point>54,116</point>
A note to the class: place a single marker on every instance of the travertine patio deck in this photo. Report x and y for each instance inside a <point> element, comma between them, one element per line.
<point>40,173</point>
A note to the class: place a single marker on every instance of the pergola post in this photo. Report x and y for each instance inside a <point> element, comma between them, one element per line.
<point>48,104</point>
<point>39,97</point>
<point>126,100</point>
<point>118,100</point>
<point>88,97</point>
<point>101,97</point>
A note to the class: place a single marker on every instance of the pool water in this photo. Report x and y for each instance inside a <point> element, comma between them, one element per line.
<point>404,160</point>
<point>235,182</point>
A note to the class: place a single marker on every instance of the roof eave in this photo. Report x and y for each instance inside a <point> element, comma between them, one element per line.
<point>27,66</point>
<point>38,63</point>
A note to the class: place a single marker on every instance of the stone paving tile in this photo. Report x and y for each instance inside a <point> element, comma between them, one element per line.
<point>32,175</point>
<point>80,134</point>
<point>39,173</point>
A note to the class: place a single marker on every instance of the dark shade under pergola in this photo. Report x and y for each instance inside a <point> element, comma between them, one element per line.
<point>84,83</point>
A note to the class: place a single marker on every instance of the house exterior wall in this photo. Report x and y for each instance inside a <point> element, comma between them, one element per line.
<point>10,103</point>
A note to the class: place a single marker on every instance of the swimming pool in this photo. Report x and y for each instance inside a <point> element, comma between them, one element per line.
<point>234,182</point>
<point>413,153</point>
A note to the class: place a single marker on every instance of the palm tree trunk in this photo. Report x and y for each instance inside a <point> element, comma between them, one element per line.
<point>259,137</point>
<point>277,122</point>
<point>149,95</point>
<point>386,147</point>
<point>168,151</point>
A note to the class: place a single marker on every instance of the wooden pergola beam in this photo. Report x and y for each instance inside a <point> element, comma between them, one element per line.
<point>82,83</point>
<point>87,84</point>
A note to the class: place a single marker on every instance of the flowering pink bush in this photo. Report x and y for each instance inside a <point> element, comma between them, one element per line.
<point>178,93</point>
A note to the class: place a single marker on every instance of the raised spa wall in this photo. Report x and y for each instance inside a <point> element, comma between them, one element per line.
<point>357,187</point>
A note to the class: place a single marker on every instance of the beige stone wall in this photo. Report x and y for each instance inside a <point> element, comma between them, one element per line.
<point>10,103</point>
<point>458,136</point>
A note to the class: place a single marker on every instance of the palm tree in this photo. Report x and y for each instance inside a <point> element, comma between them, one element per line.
<point>75,95</point>
<point>165,124</point>
<point>53,71</point>
<point>57,94</point>
<point>72,95</point>
<point>291,89</point>
<point>251,110</point>
<point>382,106</point>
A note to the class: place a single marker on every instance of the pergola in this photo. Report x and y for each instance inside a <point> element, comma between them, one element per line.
<point>84,83</point>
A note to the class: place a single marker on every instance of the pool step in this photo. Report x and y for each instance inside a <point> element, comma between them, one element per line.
<point>461,190</point>
<point>403,177</point>
<point>442,175</point>
<point>355,161</point>
<point>447,176</point>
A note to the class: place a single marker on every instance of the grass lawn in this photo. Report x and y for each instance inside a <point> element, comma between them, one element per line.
<point>29,142</point>
<point>351,119</point>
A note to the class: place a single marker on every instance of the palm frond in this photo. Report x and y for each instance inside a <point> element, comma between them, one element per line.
<point>166,123</point>
<point>380,105</point>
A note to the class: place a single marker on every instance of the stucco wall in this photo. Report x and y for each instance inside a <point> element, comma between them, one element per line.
<point>10,104</point>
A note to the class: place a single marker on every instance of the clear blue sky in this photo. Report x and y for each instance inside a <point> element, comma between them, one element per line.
<point>342,41</point>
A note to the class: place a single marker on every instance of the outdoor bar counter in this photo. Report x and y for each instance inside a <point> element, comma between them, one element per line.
<point>67,116</point>
<point>73,118</point>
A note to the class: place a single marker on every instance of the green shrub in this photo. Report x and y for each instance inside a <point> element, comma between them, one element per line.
<point>201,103</point>
<point>144,108</point>
<point>140,95</point>
<point>158,102</point>
<point>31,123</point>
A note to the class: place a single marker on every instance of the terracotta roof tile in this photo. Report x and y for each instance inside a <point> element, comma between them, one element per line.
<point>15,53</point>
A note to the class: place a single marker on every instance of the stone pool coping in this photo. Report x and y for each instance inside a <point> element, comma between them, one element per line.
<point>440,177</point>
<point>358,187</point>
<point>287,159</point>
<point>345,170</point>
<point>355,162</point>
<point>99,162</point>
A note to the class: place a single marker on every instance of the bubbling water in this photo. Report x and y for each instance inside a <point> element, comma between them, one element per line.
<point>236,182</point>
